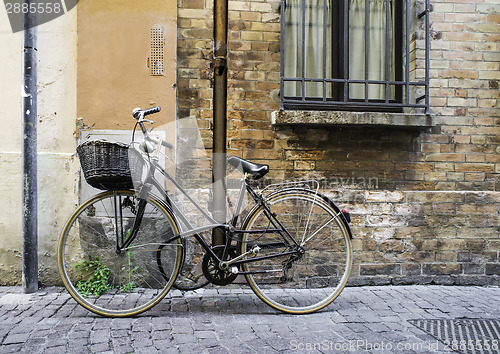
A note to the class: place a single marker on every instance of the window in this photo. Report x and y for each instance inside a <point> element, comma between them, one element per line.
<point>353,54</point>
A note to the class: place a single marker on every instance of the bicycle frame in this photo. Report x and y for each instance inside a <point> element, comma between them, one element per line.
<point>151,181</point>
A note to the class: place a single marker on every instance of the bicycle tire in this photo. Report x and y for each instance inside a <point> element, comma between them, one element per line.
<point>119,283</point>
<point>318,276</point>
<point>191,276</point>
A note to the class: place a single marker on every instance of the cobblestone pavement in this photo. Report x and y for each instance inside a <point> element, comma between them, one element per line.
<point>222,320</point>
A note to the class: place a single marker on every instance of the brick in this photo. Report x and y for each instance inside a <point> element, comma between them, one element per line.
<point>473,268</point>
<point>251,36</point>
<point>446,256</point>
<point>466,18</point>
<point>455,220</point>
<point>391,246</point>
<point>459,74</point>
<point>444,208</point>
<point>475,167</point>
<point>442,269</point>
<point>476,257</point>
<point>193,4</point>
<point>418,256</point>
<point>261,7</point>
<point>380,269</point>
<point>411,269</point>
<point>384,196</point>
<point>252,134</point>
<point>305,155</point>
<point>456,157</point>
<point>369,245</point>
<point>492,269</point>
<point>304,165</point>
<point>435,197</point>
<point>194,13</point>
<point>477,232</point>
<point>482,197</point>
<point>462,102</point>
<point>443,245</point>
<point>238,5</point>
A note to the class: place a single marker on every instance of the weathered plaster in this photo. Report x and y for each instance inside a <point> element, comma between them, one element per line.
<point>57,166</point>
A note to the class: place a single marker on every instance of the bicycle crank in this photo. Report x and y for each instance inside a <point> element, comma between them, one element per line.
<point>216,274</point>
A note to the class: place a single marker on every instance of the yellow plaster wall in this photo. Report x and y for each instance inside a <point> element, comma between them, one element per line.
<point>113,51</point>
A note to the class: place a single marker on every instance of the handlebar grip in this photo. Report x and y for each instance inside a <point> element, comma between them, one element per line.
<point>151,110</point>
<point>167,144</point>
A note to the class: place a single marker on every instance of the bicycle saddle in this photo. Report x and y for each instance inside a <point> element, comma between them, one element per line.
<point>256,170</point>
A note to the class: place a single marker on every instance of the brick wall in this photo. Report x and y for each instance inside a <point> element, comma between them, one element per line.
<point>425,203</point>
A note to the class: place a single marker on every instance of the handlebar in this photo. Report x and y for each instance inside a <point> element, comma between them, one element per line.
<point>139,114</point>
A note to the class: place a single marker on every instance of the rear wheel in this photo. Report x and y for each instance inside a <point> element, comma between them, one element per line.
<point>318,263</point>
<point>106,275</point>
<point>191,275</point>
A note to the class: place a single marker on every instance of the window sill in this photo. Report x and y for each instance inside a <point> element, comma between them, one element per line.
<point>408,120</point>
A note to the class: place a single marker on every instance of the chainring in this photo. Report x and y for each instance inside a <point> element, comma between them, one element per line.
<point>212,272</point>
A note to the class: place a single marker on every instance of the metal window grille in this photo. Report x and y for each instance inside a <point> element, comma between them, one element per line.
<point>407,90</point>
<point>156,62</point>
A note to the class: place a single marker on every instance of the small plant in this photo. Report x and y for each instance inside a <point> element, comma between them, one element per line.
<point>97,284</point>
<point>130,285</point>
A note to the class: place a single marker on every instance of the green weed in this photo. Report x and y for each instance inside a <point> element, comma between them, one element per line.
<point>97,284</point>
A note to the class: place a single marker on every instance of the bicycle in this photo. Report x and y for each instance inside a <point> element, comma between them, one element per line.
<point>122,250</point>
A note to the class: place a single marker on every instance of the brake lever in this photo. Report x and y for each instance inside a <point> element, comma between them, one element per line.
<point>142,120</point>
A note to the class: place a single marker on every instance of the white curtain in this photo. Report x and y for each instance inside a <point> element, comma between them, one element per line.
<point>376,48</point>
<point>310,35</point>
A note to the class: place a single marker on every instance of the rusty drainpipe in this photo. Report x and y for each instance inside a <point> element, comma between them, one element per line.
<point>29,153</point>
<point>220,117</point>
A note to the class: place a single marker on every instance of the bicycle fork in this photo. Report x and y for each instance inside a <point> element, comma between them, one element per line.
<point>125,240</point>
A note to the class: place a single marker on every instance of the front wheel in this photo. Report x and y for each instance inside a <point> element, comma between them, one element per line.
<point>119,255</point>
<point>307,273</point>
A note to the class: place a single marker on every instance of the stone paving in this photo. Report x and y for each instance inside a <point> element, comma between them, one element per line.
<point>223,320</point>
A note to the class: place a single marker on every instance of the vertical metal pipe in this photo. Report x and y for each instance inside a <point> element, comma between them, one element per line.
<point>367,46</point>
<point>220,117</point>
<point>346,50</point>
<point>427,56</point>
<point>282,54</point>
<point>407,48</point>
<point>325,45</point>
<point>303,55</point>
<point>29,154</point>
<point>388,29</point>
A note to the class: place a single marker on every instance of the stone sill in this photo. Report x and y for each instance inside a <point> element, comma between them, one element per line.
<point>407,120</point>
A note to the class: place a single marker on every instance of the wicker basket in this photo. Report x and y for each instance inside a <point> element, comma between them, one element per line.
<point>105,164</point>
